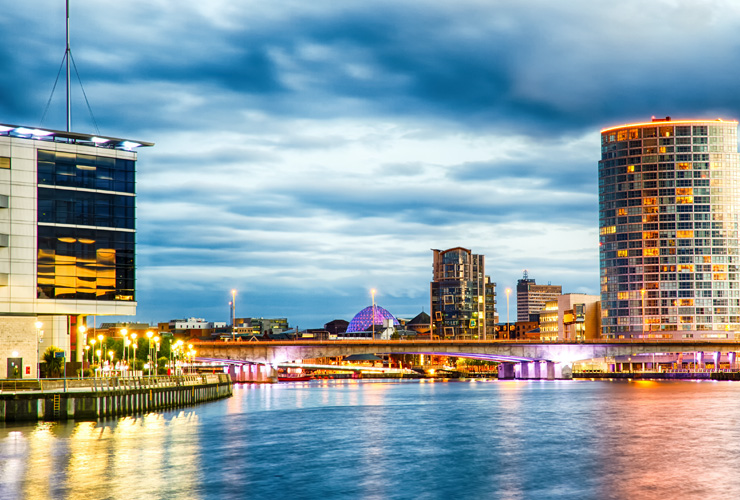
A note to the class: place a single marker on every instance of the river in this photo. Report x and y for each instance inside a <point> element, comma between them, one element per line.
<point>397,440</point>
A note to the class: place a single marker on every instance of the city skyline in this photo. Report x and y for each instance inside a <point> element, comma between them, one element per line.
<point>307,154</point>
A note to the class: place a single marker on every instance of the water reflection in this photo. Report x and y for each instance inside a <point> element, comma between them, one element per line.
<point>378,439</point>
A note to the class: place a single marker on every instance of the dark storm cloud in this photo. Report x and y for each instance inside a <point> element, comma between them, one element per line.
<point>303,147</point>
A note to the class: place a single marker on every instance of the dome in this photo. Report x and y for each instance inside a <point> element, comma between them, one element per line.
<point>363,320</point>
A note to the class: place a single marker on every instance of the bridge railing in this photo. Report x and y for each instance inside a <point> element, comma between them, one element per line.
<point>247,343</point>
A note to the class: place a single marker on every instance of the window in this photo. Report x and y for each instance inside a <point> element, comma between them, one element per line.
<point>4,162</point>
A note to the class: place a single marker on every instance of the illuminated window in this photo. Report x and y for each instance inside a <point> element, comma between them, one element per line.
<point>634,133</point>
<point>650,235</point>
<point>650,252</point>
<point>622,253</point>
<point>631,168</point>
<point>608,230</point>
<point>649,201</point>
<point>685,234</point>
<point>684,191</point>
<point>4,162</point>
<point>682,200</point>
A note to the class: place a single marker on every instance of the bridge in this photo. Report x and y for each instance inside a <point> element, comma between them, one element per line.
<point>521,359</point>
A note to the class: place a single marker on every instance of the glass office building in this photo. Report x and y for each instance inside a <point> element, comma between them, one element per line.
<point>668,224</point>
<point>67,238</point>
<point>463,298</point>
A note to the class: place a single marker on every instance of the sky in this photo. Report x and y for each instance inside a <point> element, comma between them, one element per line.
<point>307,152</point>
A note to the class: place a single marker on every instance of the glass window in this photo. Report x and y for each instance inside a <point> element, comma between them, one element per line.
<point>4,162</point>
<point>81,264</point>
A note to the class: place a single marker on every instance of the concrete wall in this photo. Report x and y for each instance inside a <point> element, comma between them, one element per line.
<point>109,397</point>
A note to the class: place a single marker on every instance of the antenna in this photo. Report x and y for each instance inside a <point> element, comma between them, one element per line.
<point>525,275</point>
<point>69,86</point>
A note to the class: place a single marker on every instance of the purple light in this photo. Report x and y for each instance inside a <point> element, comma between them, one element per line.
<point>363,320</point>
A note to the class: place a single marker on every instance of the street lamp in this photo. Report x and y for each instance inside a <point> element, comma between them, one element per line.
<point>124,334</point>
<point>233,313</point>
<point>149,335</point>
<point>156,353</point>
<point>110,354</point>
<point>99,352</point>
<point>372,293</point>
<point>92,352</point>
<point>508,318</point>
<point>135,345</point>
<point>39,337</point>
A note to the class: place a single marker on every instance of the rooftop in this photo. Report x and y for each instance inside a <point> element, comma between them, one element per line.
<point>51,135</point>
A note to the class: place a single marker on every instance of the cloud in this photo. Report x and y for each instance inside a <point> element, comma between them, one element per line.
<point>306,152</point>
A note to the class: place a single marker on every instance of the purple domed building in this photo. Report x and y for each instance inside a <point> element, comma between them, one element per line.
<point>365,319</point>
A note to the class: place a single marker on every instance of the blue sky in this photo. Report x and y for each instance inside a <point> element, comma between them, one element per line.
<point>307,152</point>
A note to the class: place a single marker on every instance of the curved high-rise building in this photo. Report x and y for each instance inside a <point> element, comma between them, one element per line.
<point>669,199</point>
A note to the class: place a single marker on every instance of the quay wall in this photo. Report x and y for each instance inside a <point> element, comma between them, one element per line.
<point>648,375</point>
<point>90,399</point>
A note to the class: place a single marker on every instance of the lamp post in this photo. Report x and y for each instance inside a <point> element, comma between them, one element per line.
<point>372,293</point>
<point>92,351</point>
<point>156,353</point>
<point>81,333</point>
<point>508,318</point>
<point>39,337</point>
<point>124,334</point>
<point>110,354</point>
<point>149,335</point>
<point>233,313</point>
<point>135,346</point>
<point>100,353</point>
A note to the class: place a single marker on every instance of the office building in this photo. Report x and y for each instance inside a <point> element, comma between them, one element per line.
<point>463,298</point>
<point>67,238</point>
<point>531,297</point>
<point>668,222</point>
<point>571,317</point>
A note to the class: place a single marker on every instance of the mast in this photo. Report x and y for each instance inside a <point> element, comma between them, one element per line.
<point>67,55</point>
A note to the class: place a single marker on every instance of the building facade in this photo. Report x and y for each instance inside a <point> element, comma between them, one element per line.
<point>668,223</point>
<point>531,297</point>
<point>463,298</point>
<point>67,237</point>
<point>571,317</point>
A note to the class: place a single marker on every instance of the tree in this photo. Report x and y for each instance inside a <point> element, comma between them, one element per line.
<point>53,365</point>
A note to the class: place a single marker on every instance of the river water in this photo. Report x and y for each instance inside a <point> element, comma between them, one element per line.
<point>397,440</point>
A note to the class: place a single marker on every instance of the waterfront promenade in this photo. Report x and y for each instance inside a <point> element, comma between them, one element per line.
<point>92,398</point>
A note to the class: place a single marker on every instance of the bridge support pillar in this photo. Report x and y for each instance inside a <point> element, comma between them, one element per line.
<point>524,370</point>
<point>699,357</point>
<point>732,359</point>
<point>550,370</point>
<point>563,371</point>
<point>506,371</point>
<point>537,370</point>
<point>717,359</point>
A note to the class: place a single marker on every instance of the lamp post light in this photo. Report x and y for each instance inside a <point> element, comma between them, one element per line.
<point>149,335</point>
<point>102,347</point>
<point>124,334</point>
<point>156,353</point>
<point>508,318</point>
<point>233,313</point>
<point>126,344</point>
<point>39,337</point>
<point>135,345</point>
<point>92,351</point>
<point>81,332</point>
<point>372,293</point>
